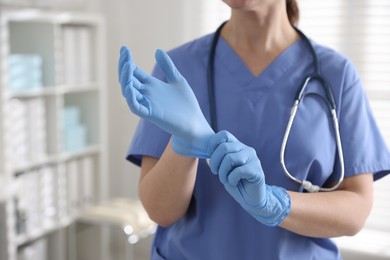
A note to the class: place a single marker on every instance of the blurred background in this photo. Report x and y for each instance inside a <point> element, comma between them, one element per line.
<point>65,128</point>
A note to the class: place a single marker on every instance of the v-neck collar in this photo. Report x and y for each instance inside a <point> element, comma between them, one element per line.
<point>238,71</point>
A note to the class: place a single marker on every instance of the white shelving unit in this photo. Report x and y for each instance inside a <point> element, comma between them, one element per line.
<point>53,161</point>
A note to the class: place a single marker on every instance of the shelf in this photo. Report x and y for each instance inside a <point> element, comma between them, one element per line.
<point>45,91</point>
<point>90,150</point>
<point>64,89</point>
<point>37,15</point>
<point>38,233</point>
<point>35,164</point>
<point>54,90</point>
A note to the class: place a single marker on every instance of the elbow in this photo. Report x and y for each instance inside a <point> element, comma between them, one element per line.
<point>357,222</point>
<point>164,224</point>
<point>161,212</point>
<point>361,203</point>
<point>162,216</point>
<point>354,228</point>
<point>162,220</point>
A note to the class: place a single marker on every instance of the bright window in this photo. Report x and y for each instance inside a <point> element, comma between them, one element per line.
<point>360,30</point>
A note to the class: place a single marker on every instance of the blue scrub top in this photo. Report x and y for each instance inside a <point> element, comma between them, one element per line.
<point>256,110</point>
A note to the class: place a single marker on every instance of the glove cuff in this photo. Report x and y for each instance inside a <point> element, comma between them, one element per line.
<point>277,208</point>
<point>198,151</point>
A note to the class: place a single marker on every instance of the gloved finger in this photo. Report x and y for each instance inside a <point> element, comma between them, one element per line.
<point>252,192</point>
<point>220,137</point>
<point>125,55</point>
<point>127,74</point>
<point>251,195</point>
<point>236,175</point>
<point>250,170</point>
<point>137,84</point>
<point>137,102</point>
<point>167,66</point>
<point>219,154</point>
<point>230,162</point>
<point>123,49</point>
<point>125,77</point>
<point>122,60</point>
<point>141,75</point>
<point>217,139</point>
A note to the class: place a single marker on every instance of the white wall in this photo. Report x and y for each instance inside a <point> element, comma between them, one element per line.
<point>143,26</point>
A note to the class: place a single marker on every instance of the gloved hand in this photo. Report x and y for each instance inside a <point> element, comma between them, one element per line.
<point>239,170</point>
<point>172,106</point>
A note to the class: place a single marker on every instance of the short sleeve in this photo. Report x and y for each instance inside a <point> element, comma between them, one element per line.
<point>148,138</point>
<point>364,147</point>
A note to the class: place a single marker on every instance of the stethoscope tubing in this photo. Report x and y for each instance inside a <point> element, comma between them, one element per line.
<point>307,185</point>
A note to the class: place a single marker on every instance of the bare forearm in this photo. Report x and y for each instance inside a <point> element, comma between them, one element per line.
<point>330,214</point>
<point>166,188</point>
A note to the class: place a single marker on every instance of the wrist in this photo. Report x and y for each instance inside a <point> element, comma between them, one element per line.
<point>276,209</point>
<point>193,146</point>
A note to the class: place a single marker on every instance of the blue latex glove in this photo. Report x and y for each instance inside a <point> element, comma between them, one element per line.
<point>239,170</point>
<point>170,105</point>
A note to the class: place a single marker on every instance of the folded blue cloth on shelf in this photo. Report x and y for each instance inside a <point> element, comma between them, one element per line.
<point>25,71</point>
<point>75,133</point>
<point>75,137</point>
<point>24,84</point>
<point>71,116</point>
<point>16,72</point>
<point>30,60</point>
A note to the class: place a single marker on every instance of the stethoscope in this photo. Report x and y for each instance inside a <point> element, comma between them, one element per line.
<point>315,76</point>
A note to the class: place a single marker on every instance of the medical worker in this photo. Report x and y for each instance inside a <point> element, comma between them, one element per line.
<point>223,193</point>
